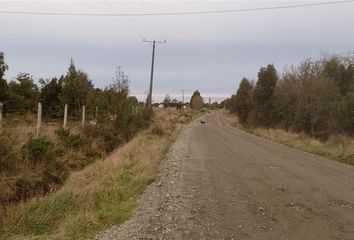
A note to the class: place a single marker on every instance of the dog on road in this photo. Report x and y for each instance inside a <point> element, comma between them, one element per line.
<point>202,122</point>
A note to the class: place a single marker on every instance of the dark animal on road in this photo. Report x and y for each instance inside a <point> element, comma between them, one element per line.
<point>202,122</point>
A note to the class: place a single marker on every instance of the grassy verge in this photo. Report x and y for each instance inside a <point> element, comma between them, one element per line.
<point>101,195</point>
<point>339,148</point>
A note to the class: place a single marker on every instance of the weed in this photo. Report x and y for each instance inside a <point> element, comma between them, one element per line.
<point>71,140</point>
<point>39,149</point>
<point>157,130</point>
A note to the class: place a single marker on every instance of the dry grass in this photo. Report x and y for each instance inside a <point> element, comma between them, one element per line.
<point>103,194</point>
<point>337,147</point>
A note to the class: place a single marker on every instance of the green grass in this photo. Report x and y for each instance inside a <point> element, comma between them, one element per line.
<point>42,216</point>
<point>66,215</point>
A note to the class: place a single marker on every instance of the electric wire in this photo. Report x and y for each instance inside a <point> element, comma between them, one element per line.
<point>154,23</point>
<point>127,23</point>
<point>176,13</point>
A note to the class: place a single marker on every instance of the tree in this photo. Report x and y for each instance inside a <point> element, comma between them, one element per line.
<point>3,65</point>
<point>50,97</point>
<point>196,101</point>
<point>243,100</point>
<point>343,76</point>
<point>286,96</point>
<point>76,89</point>
<point>263,95</point>
<point>3,83</point>
<point>166,101</point>
<point>23,93</point>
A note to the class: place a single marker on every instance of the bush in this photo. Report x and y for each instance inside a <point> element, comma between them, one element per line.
<point>8,153</point>
<point>157,130</point>
<point>38,149</point>
<point>71,140</point>
<point>108,135</point>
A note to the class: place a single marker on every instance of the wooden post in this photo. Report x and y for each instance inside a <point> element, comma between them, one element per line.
<point>39,119</point>
<point>83,116</point>
<point>1,109</point>
<point>65,116</point>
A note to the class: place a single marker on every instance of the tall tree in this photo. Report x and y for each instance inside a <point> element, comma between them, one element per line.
<point>3,83</point>
<point>342,75</point>
<point>23,93</point>
<point>50,97</point>
<point>243,100</point>
<point>196,101</point>
<point>76,88</point>
<point>263,94</point>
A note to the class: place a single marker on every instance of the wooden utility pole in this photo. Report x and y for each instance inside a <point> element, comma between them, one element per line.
<point>154,42</point>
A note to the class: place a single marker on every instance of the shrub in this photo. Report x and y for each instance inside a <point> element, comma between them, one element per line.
<point>71,140</point>
<point>8,153</point>
<point>108,135</point>
<point>157,130</point>
<point>38,149</point>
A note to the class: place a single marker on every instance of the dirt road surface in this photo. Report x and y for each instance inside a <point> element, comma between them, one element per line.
<point>218,182</point>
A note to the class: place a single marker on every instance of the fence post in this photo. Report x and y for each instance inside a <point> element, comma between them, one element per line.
<point>1,108</point>
<point>39,119</point>
<point>65,116</point>
<point>83,115</point>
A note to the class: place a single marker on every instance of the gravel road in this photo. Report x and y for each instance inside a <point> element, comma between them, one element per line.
<point>218,182</point>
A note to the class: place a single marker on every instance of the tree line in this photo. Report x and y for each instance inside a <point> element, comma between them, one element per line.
<point>315,97</point>
<point>74,88</point>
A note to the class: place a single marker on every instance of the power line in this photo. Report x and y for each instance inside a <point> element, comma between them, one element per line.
<point>175,13</point>
<point>127,23</point>
<point>152,17</point>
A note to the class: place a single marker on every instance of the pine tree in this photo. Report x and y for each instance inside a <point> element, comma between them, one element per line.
<point>263,95</point>
<point>243,100</point>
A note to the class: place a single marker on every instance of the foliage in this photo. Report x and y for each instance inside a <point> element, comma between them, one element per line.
<point>316,97</point>
<point>168,102</point>
<point>23,94</point>
<point>243,100</point>
<point>157,130</point>
<point>76,89</point>
<point>39,149</point>
<point>50,97</point>
<point>263,95</point>
<point>9,156</point>
<point>71,140</point>
<point>196,101</point>
<point>3,83</point>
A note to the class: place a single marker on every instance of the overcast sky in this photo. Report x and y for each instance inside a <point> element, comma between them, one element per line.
<point>210,53</point>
